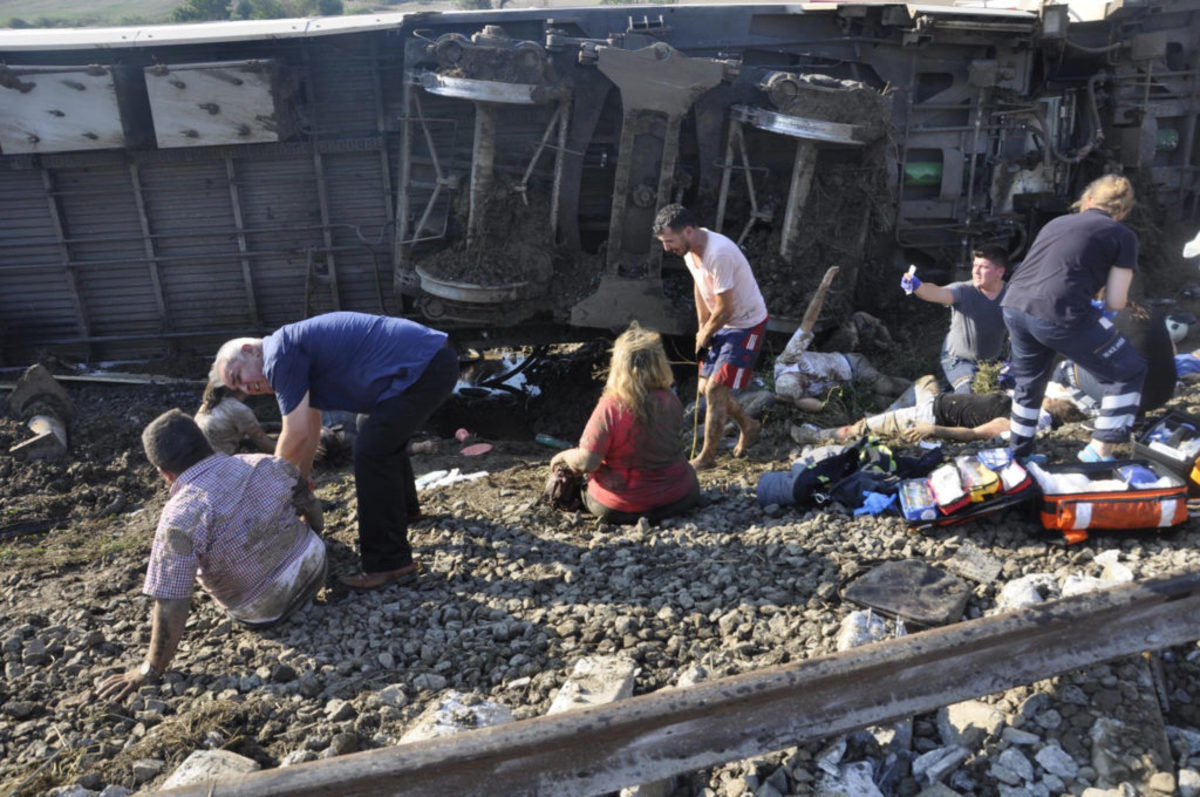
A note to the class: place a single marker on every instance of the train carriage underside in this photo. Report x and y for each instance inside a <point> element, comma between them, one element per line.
<point>499,171</point>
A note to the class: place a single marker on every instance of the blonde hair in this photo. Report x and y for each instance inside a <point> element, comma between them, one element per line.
<point>1111,193</point>
<point>639,367</point>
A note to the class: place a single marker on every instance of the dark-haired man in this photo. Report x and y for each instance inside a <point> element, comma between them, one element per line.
<point>732,319</point>
<point>977,330</point>
<point>231,523</point>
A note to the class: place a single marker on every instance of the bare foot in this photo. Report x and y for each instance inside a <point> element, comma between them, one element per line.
<point>703,463</point>
<point>746,438</point>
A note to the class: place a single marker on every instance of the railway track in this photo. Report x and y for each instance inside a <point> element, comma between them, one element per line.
<point>646,738</point>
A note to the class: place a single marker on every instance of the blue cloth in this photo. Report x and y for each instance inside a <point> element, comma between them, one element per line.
<point>1102,306</point>
<point>875,503</point>
<point>347,361</point>
<point>1187,364</point>
<point>1067,264</point>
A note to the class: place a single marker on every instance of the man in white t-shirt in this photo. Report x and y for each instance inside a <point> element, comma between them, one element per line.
<point>732,319</point>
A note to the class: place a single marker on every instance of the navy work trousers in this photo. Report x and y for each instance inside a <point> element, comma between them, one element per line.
<point>383,474</point>
<point>1095,345</point>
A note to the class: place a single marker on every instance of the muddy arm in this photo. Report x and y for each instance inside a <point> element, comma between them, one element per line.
<point>993,428</point>
<point>261,440</point>
<point>577,459</point>
<point>167,622</point>
<point>814,306</point>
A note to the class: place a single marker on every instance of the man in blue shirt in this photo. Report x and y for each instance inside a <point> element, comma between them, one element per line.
<point>395,371</point>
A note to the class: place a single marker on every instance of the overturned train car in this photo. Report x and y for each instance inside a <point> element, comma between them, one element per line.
<point>165,187</point>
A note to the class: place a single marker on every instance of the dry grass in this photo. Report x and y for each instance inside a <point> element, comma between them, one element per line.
<point>81,542</point>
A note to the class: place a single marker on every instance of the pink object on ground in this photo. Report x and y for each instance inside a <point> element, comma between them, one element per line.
<point>461,435</point>
<point>475,449</point>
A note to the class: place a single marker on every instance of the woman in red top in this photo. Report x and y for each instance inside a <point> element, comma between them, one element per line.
<point>632,446</point>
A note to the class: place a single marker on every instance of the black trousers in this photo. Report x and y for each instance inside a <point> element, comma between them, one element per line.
<point>383,474</point>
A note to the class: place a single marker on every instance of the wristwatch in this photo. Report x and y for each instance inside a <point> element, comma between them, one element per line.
<point>148,670</point>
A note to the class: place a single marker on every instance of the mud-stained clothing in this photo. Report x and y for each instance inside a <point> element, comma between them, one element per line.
<point>800,373</point>
<point>230,524</point>
<point>643,465</point>
<point>724,269</point>
<point>967,410</point>
<point>226,424</point>
<point>970,409</point>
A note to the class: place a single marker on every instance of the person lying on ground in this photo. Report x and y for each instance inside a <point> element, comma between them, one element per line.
<point>805,377</point>
<point>243,526</point>
<point>631,447</point>
<point>225,421</point>
<point>964,417</point>
<point>731,317</point>
<point>977,332</point>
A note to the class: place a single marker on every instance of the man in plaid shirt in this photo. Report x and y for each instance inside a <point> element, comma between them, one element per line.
<point>231,524</point>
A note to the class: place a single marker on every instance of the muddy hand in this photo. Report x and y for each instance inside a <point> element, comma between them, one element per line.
<point>917,433</point>
<point>308,506</point>
<point>118,687</point>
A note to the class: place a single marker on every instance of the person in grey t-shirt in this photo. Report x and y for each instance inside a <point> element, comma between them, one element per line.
<point>977,328</point>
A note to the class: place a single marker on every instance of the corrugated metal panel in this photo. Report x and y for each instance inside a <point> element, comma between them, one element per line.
<point>104,239</point>
<point>342,82</point>
<point>36,302</point>
<point>191,218</point>
<point>358,214</point>
<point>283,217</point>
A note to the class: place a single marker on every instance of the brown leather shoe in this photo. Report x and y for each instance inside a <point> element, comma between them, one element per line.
<point>367,581</point>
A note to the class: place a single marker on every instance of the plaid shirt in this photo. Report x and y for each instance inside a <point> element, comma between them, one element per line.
<point>231,525</point>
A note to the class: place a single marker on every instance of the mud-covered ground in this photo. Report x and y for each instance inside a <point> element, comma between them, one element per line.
<point>514,594</point>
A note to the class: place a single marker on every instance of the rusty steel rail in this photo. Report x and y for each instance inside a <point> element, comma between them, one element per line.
<point>672,731</point>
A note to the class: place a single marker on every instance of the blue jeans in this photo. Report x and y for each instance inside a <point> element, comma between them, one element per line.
<point>959,373</point>
<point>1096,346</point>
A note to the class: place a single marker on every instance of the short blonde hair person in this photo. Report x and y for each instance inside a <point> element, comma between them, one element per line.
<point>639,367</point>
<point>1111,193</point>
